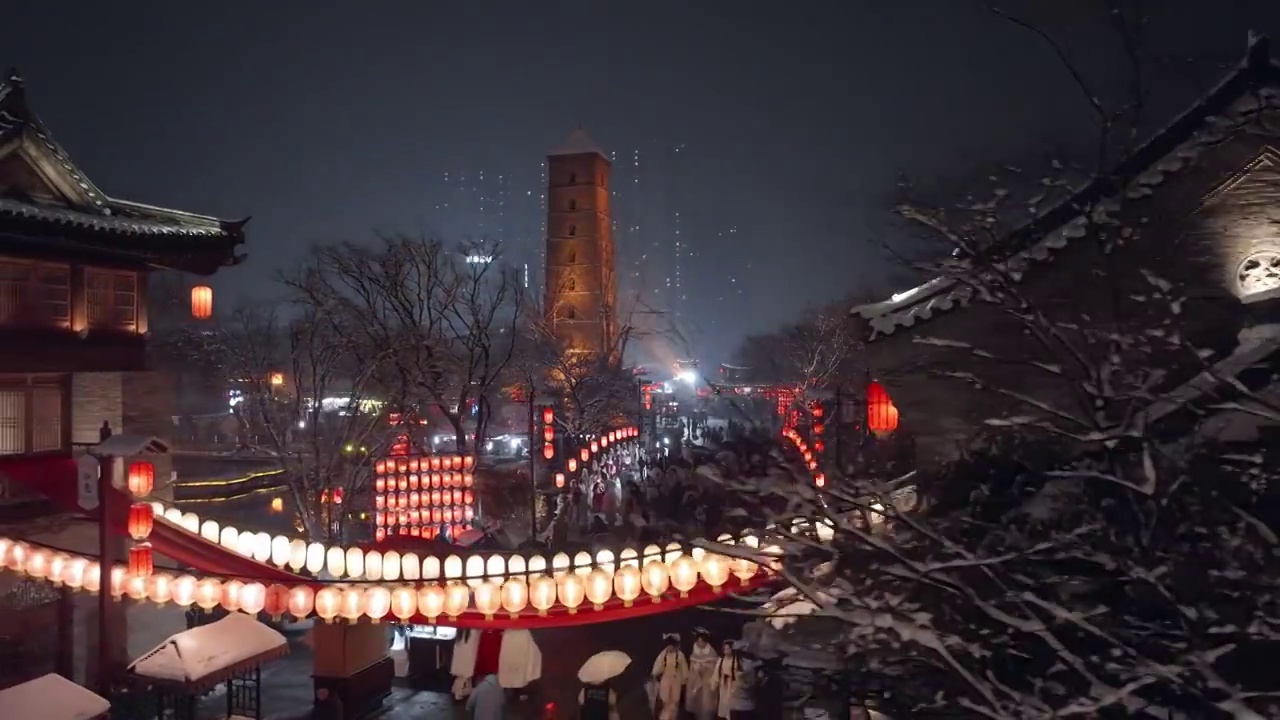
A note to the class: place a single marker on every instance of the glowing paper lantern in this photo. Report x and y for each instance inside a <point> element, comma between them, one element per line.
<point>488,598</point>
<point>142,478</point>
<point>626,584</point>
<point>160,588</point>
<point>431,600</point>
<point>882,416</point>
<point>573,465</point>
<point>456,597</point>
<point>655,579</point>
<point>276,601</point>
<point>743,569</point>
<point>351,605</point>
<point>515,596</point>
<point>548,415</point>
<point>141,519</point>
<point>584,454</point>
<point>560,479</point>
<point>141,562</point>
<point>542,593</point>
<point>328,601</point>
<point>231,594</point>
<point>302,600</point>
<point>404,603</point>
<point>377,603</point>
<point>208,593</point>
<point>599,588</point>
<point>548,451</point>
<point>201,302</point>
<point>571,591</point>
<point>684,574</point>
<point>714,570</point>
<point>183,590</point>
<point>253,598</point>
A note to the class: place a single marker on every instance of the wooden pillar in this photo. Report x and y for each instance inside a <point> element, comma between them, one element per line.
<point>65,658</point>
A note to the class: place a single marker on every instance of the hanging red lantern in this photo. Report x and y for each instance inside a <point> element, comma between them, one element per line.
<point>573,464</point>
<point>201,302</point>
<point>595,446</point>
<point>468,479</point>
<point>142,518</point>
<point>882,416</point>
<point>468,497</point>
<point>548,434</point>
<point>559,480</point>
<point>585,454</point>
<point>548,415</point>
<point>457,462</point>
<point>819,428</point>
<point>468,462</point>
<point>337,496</point>
<point>141,563</point>
<point>548,450</point>
<point>142,478</point>
<point>435,462</point>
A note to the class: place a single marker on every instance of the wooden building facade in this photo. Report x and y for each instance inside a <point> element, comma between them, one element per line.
<point>73,300</point>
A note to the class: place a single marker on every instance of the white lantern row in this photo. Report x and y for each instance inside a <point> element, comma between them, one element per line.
<point>570,586</point>
<point>358,564</point>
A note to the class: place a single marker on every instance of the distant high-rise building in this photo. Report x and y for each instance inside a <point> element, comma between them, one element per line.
<point>581,286</point>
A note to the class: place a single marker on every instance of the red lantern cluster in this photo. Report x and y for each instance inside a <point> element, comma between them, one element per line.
<point>548,433</point>
<point>141,481</point>
<point>806,453</point>
<point>423,495</point>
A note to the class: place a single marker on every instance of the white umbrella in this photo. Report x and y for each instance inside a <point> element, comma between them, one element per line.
<point>603,666</point>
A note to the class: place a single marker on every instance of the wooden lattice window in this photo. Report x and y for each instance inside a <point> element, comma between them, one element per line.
<point>34,293</point>
<point>111,299</point>
<point>32,419</point>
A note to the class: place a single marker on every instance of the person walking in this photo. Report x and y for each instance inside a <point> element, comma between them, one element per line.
<point>488,700</point>
<point>700,688</point>
<point>670,670</point>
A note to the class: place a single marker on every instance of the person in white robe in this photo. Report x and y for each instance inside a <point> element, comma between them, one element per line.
<point>700,688</point>
<point>670,670</point>
<point>736,692</point>
<point>519,661</point>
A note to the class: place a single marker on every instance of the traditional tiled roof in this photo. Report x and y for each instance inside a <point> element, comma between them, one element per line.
<point>577,144</point>
<point>89,213</point>
<point>1253,83</point>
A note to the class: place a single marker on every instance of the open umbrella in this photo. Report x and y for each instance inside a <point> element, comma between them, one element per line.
<point>603,666</point>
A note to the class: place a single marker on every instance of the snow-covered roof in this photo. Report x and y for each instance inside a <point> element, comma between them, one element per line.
<point>577,144</point>
<point>51,697</point>
<point>1169,151</point>
<point>209,652</point>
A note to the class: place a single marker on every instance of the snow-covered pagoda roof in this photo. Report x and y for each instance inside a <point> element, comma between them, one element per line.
<point>55,206</point>
<point>579,143</point>
<point>52,697</point>
<point>1169,151</point>
<point>206,655</point>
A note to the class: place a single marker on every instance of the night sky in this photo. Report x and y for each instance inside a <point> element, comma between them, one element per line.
<point>327,120</point>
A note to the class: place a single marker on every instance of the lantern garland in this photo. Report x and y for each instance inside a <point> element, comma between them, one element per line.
<point>141,481</point>
<point>423,495</point>
<point>476,586</point>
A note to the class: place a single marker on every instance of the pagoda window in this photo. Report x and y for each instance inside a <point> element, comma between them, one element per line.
<point>573,230</point>
<point>572,256</point>
<point>573,205</point>
<point>111,299</point>
<point>34,293</point>
<point>32,419</point>
<point>573,179</point>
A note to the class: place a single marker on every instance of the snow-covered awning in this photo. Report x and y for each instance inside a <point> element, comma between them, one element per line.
<point>207,655</point>
<point>51,697</point>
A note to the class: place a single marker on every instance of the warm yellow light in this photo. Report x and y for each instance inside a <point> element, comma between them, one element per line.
<point>183,590</point>
<point>626,584</point>
<point>599,588</point>
<point>253,598</point>
<point>277,505</point>
<point>571,592</point>
<point>542,593</point>
<point>515,596</point>
<point>231,590</point>
<point>208,593</point>
<point>456,597</point>
<point>655,579</point>
<point>684,574</point>
<point>714,570</point>
<point>431,599</point>
<point>302,600</point>
<point>377,603</point>
<point>280,551</point>
<point>351,605</point>
<point>488,598</point>
<point>404,603</point>
<point>159,588</point>
<point>328,601</point>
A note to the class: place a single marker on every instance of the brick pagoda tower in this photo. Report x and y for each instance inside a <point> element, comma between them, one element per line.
<point>581,285</point>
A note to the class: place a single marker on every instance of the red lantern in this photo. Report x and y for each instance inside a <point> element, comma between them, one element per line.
<point>337,496</point>
<point>548,415</point>
<point>413,464</point>
<point>548,450</point>
<point>202,302</point>
<point>456,462</point>
<point>379,535</point>
<point>468,498</point>
<point>380,467</point>
<point>819,428</point>
<point>882,416</point>
<point>559,480</point>
<point>820,480</point>
<point>604,441</point>
<point>414,499</point>
<point>573,464</point>
<point>142,478</point>
<point>548,434</point>
<point>141,563</point>
<point>141,519</point>
<point>595,446</point>
<point>468,462</point>
<point>435,462</point>
<point>585,454</point>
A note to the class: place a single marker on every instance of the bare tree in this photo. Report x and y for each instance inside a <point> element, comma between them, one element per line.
<point>447,317</point>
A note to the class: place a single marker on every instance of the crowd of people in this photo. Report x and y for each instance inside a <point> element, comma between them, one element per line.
<point>707,683</point>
